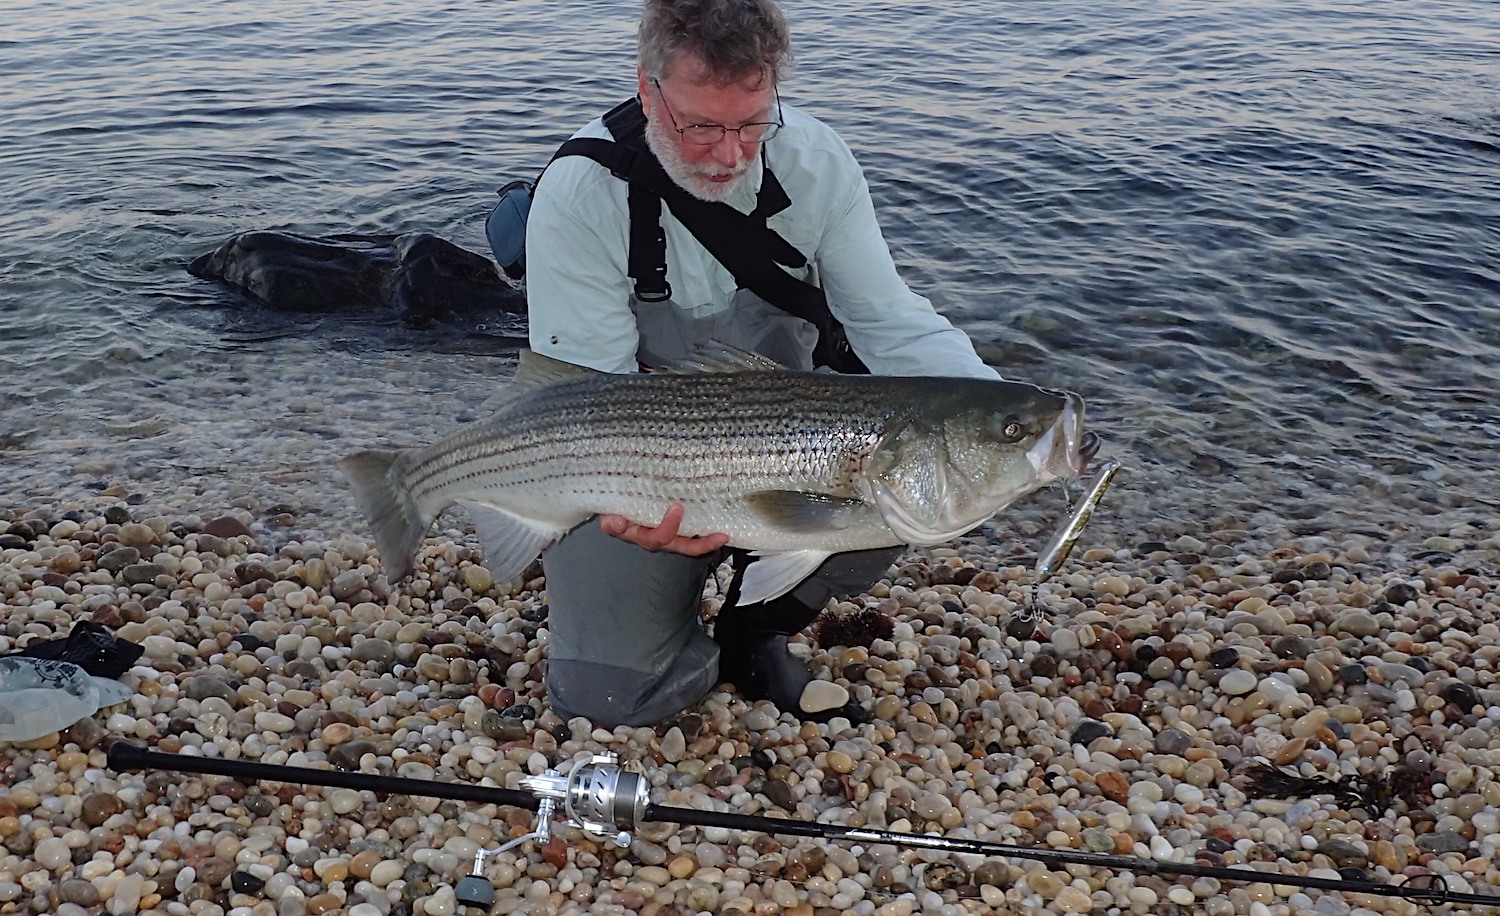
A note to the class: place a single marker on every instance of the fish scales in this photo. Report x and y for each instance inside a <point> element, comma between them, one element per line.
<point>663,443</point>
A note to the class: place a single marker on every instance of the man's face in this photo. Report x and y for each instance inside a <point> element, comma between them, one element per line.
<point>685,96</point>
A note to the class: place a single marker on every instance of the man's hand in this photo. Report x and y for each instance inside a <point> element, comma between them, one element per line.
<point>663,536</point>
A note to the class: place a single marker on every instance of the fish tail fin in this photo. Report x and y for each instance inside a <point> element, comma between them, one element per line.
<point>398,519</point>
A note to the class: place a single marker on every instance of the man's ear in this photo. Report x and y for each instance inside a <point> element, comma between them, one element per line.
<point>642,85</point>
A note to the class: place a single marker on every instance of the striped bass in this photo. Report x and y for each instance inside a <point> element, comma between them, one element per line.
<point>794,466</point>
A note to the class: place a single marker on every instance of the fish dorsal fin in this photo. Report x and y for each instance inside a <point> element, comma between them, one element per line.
<point>534,373</point>
<point>717,356</point>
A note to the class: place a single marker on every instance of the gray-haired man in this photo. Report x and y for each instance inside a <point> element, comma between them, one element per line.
<point>626,645</point>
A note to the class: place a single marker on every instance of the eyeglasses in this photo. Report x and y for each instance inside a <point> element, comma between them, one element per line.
<point>709,134</point>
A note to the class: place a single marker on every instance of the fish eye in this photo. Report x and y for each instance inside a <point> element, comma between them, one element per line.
<point>1012,428</point>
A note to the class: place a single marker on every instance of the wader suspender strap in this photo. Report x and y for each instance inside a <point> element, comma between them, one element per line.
<point>748,248</point>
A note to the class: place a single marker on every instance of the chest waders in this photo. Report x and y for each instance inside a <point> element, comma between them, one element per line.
<point>752,640</point>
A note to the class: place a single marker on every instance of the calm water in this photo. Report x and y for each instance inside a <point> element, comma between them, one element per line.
<point>1262,239</point>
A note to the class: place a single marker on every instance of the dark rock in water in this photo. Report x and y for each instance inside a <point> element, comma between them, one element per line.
<point>417,279</point>
<point>245,883</point>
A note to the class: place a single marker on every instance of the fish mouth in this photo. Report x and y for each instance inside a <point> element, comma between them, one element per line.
<point>1065,449</point>
<point>1089,447</point>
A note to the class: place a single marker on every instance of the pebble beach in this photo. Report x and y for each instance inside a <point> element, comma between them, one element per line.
<point>1161,672</point>
<point>1258,239</point>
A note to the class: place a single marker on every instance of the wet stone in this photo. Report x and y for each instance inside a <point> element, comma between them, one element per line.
<point>1225,657</point>
<point>1461,695</point>
<point>1293,647</point>
<point>79,892</point>
<point>1173,741</point>
<point>141,573</point>
<point>259,805</point>
<point>118,558</point>
<point>502,728</point>
<point>1357,623</point>
<point>99,807</point>
<point>1353,675</point>
<point>1400,593</point>
<point>1442,841</point>
<point>1237,682</point>
<point>347,584</point>
<point>780,794</point>
<point>213,871</point>
<point>1088,730</point>
<point>374,650</point>
<point>253,572</point>
<point>1343,853</point>
<point>213,544</point>
<point>87,733</point>
<point>1099,839</point>
<point>226,526</point>
<point>205,686</point>
<point>245,883</point>
<point>346,756</point>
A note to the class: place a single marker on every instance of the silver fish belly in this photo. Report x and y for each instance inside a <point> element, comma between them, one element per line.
<point>796,466</point>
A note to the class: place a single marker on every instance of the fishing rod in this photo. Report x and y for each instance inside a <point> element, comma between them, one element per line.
<point>604,799</point>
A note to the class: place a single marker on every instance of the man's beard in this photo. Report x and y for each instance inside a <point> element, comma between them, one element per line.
<point>693,179</point>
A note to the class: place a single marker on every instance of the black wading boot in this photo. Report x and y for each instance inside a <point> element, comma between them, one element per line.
<point>753,654</point>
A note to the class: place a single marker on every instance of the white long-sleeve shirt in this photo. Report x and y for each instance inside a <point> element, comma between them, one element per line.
<point>581,299</point>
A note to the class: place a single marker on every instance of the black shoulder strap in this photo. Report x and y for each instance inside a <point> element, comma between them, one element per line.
<point>748,248</point>
<point>647,258</point>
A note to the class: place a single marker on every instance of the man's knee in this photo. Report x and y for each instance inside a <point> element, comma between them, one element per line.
<point>608,695</point>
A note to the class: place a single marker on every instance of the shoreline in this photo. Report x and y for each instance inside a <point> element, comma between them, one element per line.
<point>1163,676</point>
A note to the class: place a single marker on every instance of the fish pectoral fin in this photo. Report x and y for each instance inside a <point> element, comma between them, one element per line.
<point>535,372</point>
<point>799,512</point>
<point>774,574</point>
<point>510,542</point>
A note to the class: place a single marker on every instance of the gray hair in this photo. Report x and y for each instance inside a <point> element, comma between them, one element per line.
<point>736,39</point>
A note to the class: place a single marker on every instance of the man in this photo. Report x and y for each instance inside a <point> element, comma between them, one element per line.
<point>626,646</point>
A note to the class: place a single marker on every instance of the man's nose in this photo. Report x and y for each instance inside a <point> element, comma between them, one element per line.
<point>729,150</point>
